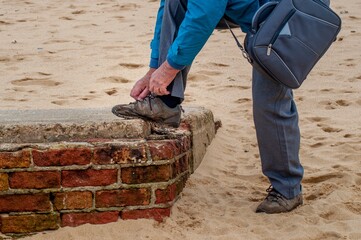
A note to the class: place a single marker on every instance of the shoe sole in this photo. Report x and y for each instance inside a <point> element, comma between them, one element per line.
<point>134,116</point>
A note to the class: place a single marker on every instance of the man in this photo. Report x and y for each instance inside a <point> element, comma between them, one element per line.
<point>182,29</point>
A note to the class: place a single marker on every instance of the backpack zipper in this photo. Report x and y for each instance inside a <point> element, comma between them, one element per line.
<point>274,37</point>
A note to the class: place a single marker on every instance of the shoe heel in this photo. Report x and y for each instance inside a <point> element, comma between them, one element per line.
<point>173,121</point>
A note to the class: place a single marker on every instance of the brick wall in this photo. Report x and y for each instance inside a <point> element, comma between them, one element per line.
<point>50,185</point>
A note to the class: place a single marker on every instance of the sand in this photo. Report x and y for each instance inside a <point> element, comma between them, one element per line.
<point>76,54</point>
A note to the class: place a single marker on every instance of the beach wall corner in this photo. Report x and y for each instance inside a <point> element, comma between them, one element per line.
<point>87,166</point>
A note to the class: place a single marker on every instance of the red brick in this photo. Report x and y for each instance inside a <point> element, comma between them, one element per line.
<point>180,184</point>
<point>30,223</point>
<point>154,173</point>
<point>172,191</point>
<point>120,154</point>
<point>166,195</point>
<point>121,198</point>
<point>180,165</point>
<point>157,214</point>
<point>90,177</point>
<point>76,219</point>
<point>19,159</point>
<point>164,149</point>
<point>73,200</point>
<point>62,157</point>
<point>35,180</point>
<point>186,142</point>
<point>4,182</point>
<point>185,125</point>
<point>24,203</point>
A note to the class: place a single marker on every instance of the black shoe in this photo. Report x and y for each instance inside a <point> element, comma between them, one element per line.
<point>277,203</point>
<point>151,108</point>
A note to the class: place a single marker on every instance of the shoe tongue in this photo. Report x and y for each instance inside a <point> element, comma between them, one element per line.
<point>274,193</point>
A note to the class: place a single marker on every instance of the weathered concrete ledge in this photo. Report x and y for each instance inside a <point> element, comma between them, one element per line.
<point>76,166</point>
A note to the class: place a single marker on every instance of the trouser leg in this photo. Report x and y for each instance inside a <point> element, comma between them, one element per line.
<point>278,135</point>
<point>174,12</point>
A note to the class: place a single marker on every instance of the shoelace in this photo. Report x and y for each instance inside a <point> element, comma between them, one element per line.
<point>147,98</point>
<point>150,97</point>
<point>273,195</point>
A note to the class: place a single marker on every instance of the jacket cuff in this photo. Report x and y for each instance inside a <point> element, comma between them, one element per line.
<point>175,65</point>
<point>153,63</point>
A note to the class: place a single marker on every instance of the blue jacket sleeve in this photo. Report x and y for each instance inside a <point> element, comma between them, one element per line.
<point>154,45</point>
<point>200,20</point>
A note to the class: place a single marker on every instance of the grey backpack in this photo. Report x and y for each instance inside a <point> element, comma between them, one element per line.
<point>289,37</point>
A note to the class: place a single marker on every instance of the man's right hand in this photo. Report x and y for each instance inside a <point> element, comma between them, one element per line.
<point>141,88</point>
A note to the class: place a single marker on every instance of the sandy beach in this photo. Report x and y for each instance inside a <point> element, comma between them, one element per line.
<point>79,54</point>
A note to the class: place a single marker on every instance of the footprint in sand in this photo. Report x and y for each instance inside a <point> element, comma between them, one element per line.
<point>56,41</point>
<point>327,90</point>
<point>44,74</point>
<point>89,25</point>
<point>87,97</point>
<point>237,87</point>
<point>328,129</point>
<point>78,12</point>
<point>329,105</point>
<point>322,178</point>
<point>145,35</point>
<point>348,135</point>
<point>243,100</point>
<point>129,6</point>
<point>5,59</point>
<point>219,64</point>
<point>348,62</point>
<point>354,79</point>
<point>66,18</point>
<point>318,191</point>
<point>22,89</point>
<point>119,17</point>
<point>36,82</point>
<point>317,145</point>
<point>131,65</point>
<point>16,58</point>
<point>354,18</point>
<point>317,119</point>
<point>60,102</point>
<point>354,207</point>
<point>111,91</point>
<point>343,103</point>
<point>197,77</point>
<point>15,100</point>
<point>325,74</point>
<point>210,73</point>
<point>114,79</point>
<point>4,23</point>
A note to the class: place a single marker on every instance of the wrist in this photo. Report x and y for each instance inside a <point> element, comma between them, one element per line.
<point>150,71</point>
<point>169,68</point>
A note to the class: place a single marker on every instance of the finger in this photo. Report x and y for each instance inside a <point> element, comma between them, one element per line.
<point>164,91</point>
<point>134,94</point>
<point>152,87</point>
<point>143,94</point>
<point>136,90</point>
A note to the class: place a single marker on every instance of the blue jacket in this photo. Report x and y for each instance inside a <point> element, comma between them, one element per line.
<point>200,20</point>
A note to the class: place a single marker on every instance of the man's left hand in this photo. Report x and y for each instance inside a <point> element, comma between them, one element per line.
<point>161,78</point>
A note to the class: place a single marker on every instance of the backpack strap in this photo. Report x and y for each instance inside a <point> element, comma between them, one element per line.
<point>244,52</point>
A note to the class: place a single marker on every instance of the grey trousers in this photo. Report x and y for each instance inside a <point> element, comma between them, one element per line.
<point>274,110</point>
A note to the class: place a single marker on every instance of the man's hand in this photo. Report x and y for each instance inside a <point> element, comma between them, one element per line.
<point>141,88</point>
<point>161,78</point>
